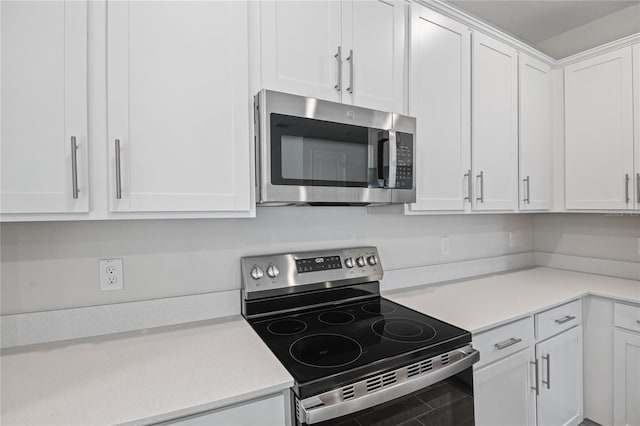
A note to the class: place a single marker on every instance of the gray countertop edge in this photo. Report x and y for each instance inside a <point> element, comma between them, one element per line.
<point>212,406</point>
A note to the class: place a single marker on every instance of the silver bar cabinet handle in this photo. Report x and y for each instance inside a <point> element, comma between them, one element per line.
<point>564,319</point>
<point>548,382</point>
<point>74,168</point>
<point>527,182</point>
<point>350,60</point>
<point>537,378</point>
<point>118,176</point>
<point>638,188</point>
<point>469,187</point>
<point>338,57</point>
<point>507,343</point>
<point>481,197</point>
<point>626,188</point>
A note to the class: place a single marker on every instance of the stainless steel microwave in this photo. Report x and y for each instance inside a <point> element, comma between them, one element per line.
<point>315,152</point>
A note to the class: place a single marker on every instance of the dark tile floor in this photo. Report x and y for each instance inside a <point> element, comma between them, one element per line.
<point>587,422</point>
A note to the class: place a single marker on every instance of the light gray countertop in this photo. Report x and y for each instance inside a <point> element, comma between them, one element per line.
<point>486,302</point>
<point>163,373</point>
<point>138,377</point>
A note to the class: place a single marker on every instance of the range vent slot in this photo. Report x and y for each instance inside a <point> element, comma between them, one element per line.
<point>348,392</point>
<point>426,366</point>
<point>413,370</point>
<point>374,383</point>
<point>389,378</point>
<point>445,359</point>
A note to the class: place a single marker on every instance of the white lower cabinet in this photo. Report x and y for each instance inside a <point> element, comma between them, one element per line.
<point>626,365</point>
<point>520,383</point>
<point>560,379</point>
<point>504,392</point>
<point>268,411</point>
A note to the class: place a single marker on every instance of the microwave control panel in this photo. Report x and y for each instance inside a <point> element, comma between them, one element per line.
<point>404,158</point>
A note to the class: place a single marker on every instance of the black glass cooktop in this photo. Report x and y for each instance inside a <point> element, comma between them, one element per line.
<point>349,341</point>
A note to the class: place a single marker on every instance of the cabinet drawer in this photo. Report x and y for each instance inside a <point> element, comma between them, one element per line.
<point>626,316</point>
<point>558,319</point>
<point>501,341</point>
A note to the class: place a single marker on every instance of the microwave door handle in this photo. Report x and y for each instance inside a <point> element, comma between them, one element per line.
<point>393,159</point>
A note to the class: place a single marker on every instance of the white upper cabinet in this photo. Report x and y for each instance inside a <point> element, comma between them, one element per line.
<point>599,132</point>
<point>440,99</point>
<point>44,107</point>
<point>178,106</point>
<point>344,51</point>
<point>636,122</point>
<point>535,140</point>
<point>495,124</point>
<point>300,47</point>
<point>373,39</point>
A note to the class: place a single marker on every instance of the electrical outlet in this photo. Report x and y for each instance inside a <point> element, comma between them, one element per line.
<point>111,277</point>
<point>444,246</point>
<point>514,239</point>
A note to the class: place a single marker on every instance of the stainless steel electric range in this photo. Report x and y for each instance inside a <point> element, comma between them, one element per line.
<point>356,357</point>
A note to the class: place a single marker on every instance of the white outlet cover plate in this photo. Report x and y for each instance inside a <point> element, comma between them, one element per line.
<point>111,277</point>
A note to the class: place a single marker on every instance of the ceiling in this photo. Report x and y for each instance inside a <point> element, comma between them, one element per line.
<point>557,27</point>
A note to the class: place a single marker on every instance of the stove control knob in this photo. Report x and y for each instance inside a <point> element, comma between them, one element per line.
<point>360,261</point>
<point>257,273</point>
<point>348,262</point>
<point>371,260</point>
<point>273,271</point>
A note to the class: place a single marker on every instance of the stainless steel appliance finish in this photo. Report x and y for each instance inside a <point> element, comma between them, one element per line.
<point>400,382</point>
<point>361,264</point>
<point>338,154</point>
<point>356,357</point>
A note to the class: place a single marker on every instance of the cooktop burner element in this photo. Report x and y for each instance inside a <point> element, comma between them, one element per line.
<point>378,307</point>
<point>326,347</point>
<point>336,317</point>
<point>325,350</point>
<point>404,330</point>
<point>286,327</point>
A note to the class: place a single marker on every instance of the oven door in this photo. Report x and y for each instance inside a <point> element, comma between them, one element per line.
<point>319,152</point>
<point>441,397</point>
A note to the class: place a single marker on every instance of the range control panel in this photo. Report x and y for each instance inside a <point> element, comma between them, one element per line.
<point>288,270</point>
<point>320,263</point>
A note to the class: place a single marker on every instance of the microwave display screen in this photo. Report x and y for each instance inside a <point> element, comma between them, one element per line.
<point>319,153</point>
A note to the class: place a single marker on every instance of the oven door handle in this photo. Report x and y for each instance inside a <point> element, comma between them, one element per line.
<point>313,410</point>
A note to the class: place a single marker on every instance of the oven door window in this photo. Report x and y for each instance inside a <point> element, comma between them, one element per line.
<point>446,403</point>
<point>308,152</point>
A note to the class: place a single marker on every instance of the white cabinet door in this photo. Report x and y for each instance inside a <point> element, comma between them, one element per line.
<point>504,392</point>
<point>374,43</point>
<point>268,411</point>
<point>626,378</point>
<point>299,46</point>
<point>178,104</point>
<point>560,361</point>
<point>440,99</point>
<point>495,124</point>
<point>535,134</point>
<point>636,122</point>
<point>599,132</point>
<point>44,106</point>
